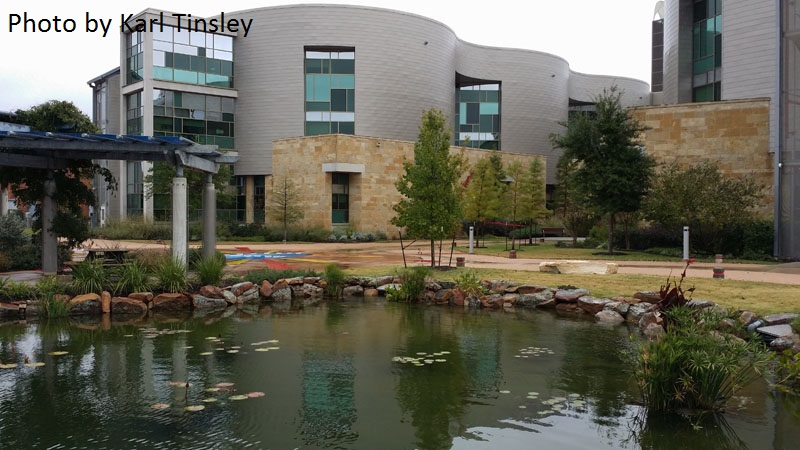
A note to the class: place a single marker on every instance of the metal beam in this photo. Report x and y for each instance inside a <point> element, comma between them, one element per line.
<point>33,161</point>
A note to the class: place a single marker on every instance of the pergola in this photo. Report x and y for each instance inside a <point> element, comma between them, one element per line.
<point>52,151</point>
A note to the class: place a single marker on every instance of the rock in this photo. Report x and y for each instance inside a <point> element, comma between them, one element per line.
<point>240,288</point>
<point>776,331</point>
<point>383,281</point>
<point>384,287</point>
<point>458,298</point>
<point>653,331</point>
<point>547,304</point>
<point>782,343</point>
<point>569,308</point>
<point>635,312</point>
<point>311,280</point>
<point>570,295</point>
<point>203,302</point>
<point>591,304</point>
<point>700,304</point>
<point>146,297</point>
<point>353,291</point>
<point>249,296</point>
<point>510,299</point>
<point>84,304</point>
<point>499,286</point>
<point>371,292</point>
<point>229,297</point>
<point>578,266</point>
<point>209,291</point>
<point>294,281</point>
<point>492,301</point>
<point>266,289</point>
<point>609,316</point>
<point>650,317</point>
<point>9,310</point>
<point>105,302</point>
<point>648,296</point>
<point>171,302</point>
<point>281,295</point>
<point>534,300</point>
<point>280,284</point>
<point>747,317</point>
<point>443,296</point>
<point>127,306</point>
<point>528,289</point>
<point>620,308</point>
<point>779,319</point>
<point>307,291</point>
<point>628,300</point>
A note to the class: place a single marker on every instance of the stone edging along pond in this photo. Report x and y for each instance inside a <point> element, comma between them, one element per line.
<point>637,310</point>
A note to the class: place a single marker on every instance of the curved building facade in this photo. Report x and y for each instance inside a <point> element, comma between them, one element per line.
<point>309,70</point>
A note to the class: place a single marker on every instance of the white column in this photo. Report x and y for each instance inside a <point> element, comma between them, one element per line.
<point>209,217</point>
<point>179,230</point>
<point>49,240</point>
<point>4,201</point>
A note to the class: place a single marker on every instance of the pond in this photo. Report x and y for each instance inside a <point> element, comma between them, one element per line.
<point>343,376</point>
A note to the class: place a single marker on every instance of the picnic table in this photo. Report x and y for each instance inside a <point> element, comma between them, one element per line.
<point>109,256</point>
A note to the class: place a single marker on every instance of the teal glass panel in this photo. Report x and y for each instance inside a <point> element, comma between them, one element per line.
<point>462,113</point>
<point>318,106</point>
<point>182,61</point>
<point>314,128</point>
<point>339,216</point>
<point>218,128</point>
<point>162,73</point>
<point>347,127</point>
<point>490,145</point>
<point>213,66</point>
<point>185,76</point>
<point>226,67</point>
<point>343,81</point>
<point>194,126</point>
<point>703,65</point>
<point>490,108</point>
<point>492,96</point>
<point>178,124</point>
<point>313,66</point>
<point>704,93</point>
<point>469,96</point>
<point>201,78</point>
<point>486,124</point>
<point>198,63</point>
<point>338,100</point>
<point>343,66</point>
<point>162,123</point>
<point>309,87</point>
<point>322,88</point>
<point>351,100</point>
<point>227,117</point>
<point>218,80</point>
<point>224,142</point>
<point>718,24</point>
<point>178,99</point>
<point>168,60</point>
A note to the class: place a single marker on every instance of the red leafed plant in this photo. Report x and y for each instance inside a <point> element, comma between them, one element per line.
<point>672,294</point>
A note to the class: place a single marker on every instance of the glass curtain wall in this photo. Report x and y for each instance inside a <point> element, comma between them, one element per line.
<point>196,58</point>
<point>330,91</point>
<point>477,115</point>
<point>707,51</point>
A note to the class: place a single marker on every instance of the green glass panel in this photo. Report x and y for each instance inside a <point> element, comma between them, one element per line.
<point>309,87</point>
<point>218,80</point>
<point>343,81</point>
<point>226,67</point>
<point>486,124</point>
<point>490,108</point>
<point>201,78</point>
<point>462,113</point>
<point>704,93</point>
<point>227,117</point>
<point>178,99</point>
<point>182,61</point>
<point>493,96</point>
<point>339,216</point>
<point>347,127</point>
<point>218,128</point>
<point>469,96</point>
<point>343,66</point>
<point>185,76</point>
<point>322,88</point>
<point>213,66</point>
<point>703,65</point>
<point>313,66</point>
<point>334,127</point>
<point>490,145</point>
<point>194,126</point>
<point>162,123</point>
<point>181,112</point>
<point>224,142</point>
<point>198,63</point>
<point>314,128</point>
<point>178,124</point>
<point>338,100</point>
<point>168,59</point>
<point>162,73</point>
<point>318,106</point>
<point>351,100</point>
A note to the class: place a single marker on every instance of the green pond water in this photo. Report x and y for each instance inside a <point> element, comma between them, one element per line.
<point>333,377</point>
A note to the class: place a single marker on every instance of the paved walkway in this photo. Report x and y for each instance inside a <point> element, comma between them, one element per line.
<point>383,253</point>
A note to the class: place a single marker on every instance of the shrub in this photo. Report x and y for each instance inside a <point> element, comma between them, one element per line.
<point>150,258</point>
<point>469,283</point>
<point>46,290</point>
<point>89,276</point>
<point>171,276</point>
<point>272,275</point>
<point>695,366</point>
<point>12,231</point>
<point>335,277</point>
<point>134,276</point>
<point>136,228</point>
<point>26,256</point>
<point>412,284</point>
<point>14,291</point>
<point>210,270</point>
<point>524,233</point>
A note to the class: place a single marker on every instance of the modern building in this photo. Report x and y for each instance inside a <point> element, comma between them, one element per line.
<point>310,70</point>
<point>730,93</point>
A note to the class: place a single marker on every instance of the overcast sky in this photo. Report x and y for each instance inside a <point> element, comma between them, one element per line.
<point>608,37</point>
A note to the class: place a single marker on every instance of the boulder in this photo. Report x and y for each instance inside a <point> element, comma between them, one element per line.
<point>249,296</point>
<point>569,308</point>
<point>171,301</point>
<point>779,319</point>
<point>534,300</point>
<point>747,317</point>
<point>353,291</point>
<point>281,295</point>
<point>628,300</point>
<point>229,297</point>
<point>203,302</point>
<point>578,266</point>
<point>635,312</point>
<point>294,281</point>
<point>311,280</point>
<point>126,306</point>
<point>653,331</point>
<point>280,284</point>
<point>371,292</point>
<point>9,310</point>
<point>528,289</point>
<point>783,343</point>
<point>609,316</point>
<point>146,297</point>
<point>266,289</point>
<point>591,304</point>
<point>105,302</point>
<point>382,288</point>
<point>620,308</point>
<point>240,288</point>
<point>84,304</point>
<point>499,286</point>
<point>382,281</point>
<point>700,304</point>
<point>650,317</point>
<point>648,296</point>
<point>307,291</point>
<point>458,298</point>
<point>209,291</point>
<point>570,295</point>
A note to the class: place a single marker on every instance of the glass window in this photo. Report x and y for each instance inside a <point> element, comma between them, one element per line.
<point>330,91</point>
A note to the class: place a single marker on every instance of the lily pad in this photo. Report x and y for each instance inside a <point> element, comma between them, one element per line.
<point>239,397</point>
<point>255,394</point>
<point>213,389</point>
<point>224,384</point>
<point>58,353</point>
<point>194,408</point>
<point>34,364</point>
<point>206,353</point>
<point>233,351</point>
<point>262,349</point>
<point>178,383</point>
<point>159,406</point>
<point>209,400</point>
<point>8,366</point>
<point>505,392</point>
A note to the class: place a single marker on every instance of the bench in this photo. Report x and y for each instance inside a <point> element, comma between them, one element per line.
<point>553,232</point>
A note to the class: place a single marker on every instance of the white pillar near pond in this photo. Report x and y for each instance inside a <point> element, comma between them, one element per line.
<point>49,238</point>
<point>209,217</point>
<point>685,243</point>
<point>471,240</point>
<point>179,229</point>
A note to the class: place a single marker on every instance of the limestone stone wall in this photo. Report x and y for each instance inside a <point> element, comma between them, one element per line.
<point>734,134</point>
<point>372,192</point>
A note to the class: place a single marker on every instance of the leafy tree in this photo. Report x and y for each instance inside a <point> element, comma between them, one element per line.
<point>430,206</point>
<point>483,199</point>
<point>285,207</point>
<point>159,181</point>
<point>613,171</point>
<point>73,188</point>
<point>570,203</point>
<point>532,196</point>
<point>703,198</point>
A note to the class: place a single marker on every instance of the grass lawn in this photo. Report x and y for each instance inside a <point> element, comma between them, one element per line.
<point>762,298</point>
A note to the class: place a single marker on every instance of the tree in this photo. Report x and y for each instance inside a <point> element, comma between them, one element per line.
<point>570,202</point>
<point>703,198</point>
<point>531,197</point>
<point>483,198</point>
<point>612,170</point>
<point>73,190</point>
<point>285,207</point>
<point>430,206</point>
<point>159,181</point>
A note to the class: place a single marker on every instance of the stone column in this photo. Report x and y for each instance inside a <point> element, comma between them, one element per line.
<point>179,229</point>
<point>209,217</point>
<point>4,201</point>
<point>49,239</point>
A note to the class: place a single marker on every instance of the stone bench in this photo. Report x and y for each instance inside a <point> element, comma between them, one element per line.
<point>576,266</point>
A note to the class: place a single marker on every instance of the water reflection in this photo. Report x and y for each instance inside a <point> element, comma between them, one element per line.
<point>496,380</point>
